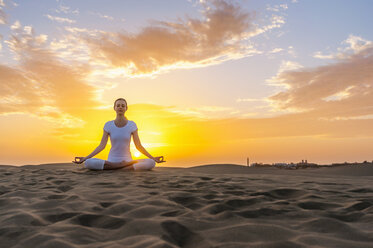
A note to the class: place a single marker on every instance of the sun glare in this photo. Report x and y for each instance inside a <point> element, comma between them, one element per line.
<point>137,154</point>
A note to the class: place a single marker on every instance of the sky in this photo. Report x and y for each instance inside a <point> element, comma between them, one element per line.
<point>206,81</point>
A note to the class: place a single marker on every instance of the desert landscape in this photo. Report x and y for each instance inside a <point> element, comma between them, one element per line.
<point>219,205</point>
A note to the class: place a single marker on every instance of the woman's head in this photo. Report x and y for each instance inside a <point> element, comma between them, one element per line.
<point>120,105</point>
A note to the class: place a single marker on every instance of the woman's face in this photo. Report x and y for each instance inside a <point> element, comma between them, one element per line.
<point>120,107</point>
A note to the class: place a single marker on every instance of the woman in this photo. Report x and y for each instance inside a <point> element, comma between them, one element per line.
<point>120,131</point>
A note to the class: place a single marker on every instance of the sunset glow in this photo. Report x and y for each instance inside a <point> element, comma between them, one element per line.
<point>206,81</point>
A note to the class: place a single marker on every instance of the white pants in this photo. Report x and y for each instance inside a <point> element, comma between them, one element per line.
<point>98,164</point>
<point>144,164</point>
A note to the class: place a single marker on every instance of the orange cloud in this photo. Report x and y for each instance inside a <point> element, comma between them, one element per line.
<point>340,90</point>
<point>42,85</point>
<point>3,17</point>
<point>60,19</point>
<point>218,36</point>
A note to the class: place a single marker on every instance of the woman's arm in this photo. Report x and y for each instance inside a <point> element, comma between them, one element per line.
<point>139,146</point>
<point>100,147</point>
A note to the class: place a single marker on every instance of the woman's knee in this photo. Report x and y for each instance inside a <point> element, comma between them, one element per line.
<point>144,164</point>
<point>94,164</point>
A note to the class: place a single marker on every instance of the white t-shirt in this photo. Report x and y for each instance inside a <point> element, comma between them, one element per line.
<point>120,138</point>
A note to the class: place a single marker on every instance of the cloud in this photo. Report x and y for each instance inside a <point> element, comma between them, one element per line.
<point>276,21</point>
<point>221,35</point>
<point>202,112</point>
<point>319,55</point>
<point>66,10</point>
<point>251,99</point>
<point>276,50</point>
<point>3,17</point>
<point>110,18</point>
<point>60,19</point>
<point>16,25</point>
<point>277,7</point>
<point>17,90</point>
<point>286,65</point>
<point>353,45</point>
<point>343,89</point>
<point>43,86</point>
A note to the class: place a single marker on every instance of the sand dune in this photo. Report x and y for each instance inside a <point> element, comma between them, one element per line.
<point>64,205</point>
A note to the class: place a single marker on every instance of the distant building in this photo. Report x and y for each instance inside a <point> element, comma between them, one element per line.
<point>280,164</point>
<point>260,165</point>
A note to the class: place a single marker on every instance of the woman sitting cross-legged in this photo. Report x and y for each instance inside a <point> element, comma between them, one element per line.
<point>120,131</point>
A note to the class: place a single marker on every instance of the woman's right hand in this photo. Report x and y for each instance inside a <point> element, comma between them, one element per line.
<point>79,160</point>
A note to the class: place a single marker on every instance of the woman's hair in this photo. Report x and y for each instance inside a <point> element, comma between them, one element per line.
<point>121,99</point>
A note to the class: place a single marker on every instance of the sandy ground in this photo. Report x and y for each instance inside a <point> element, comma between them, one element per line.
<point>65,205</point>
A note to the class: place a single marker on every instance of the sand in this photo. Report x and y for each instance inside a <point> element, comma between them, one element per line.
<point>66,205</point>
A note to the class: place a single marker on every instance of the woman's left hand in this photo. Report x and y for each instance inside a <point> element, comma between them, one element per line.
<point>159,159</point>
<point>79,160</point>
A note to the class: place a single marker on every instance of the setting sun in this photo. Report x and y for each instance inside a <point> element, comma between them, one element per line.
<point>137,154</point>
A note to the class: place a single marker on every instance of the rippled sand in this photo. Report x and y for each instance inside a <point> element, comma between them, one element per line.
<point>65,205</point>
